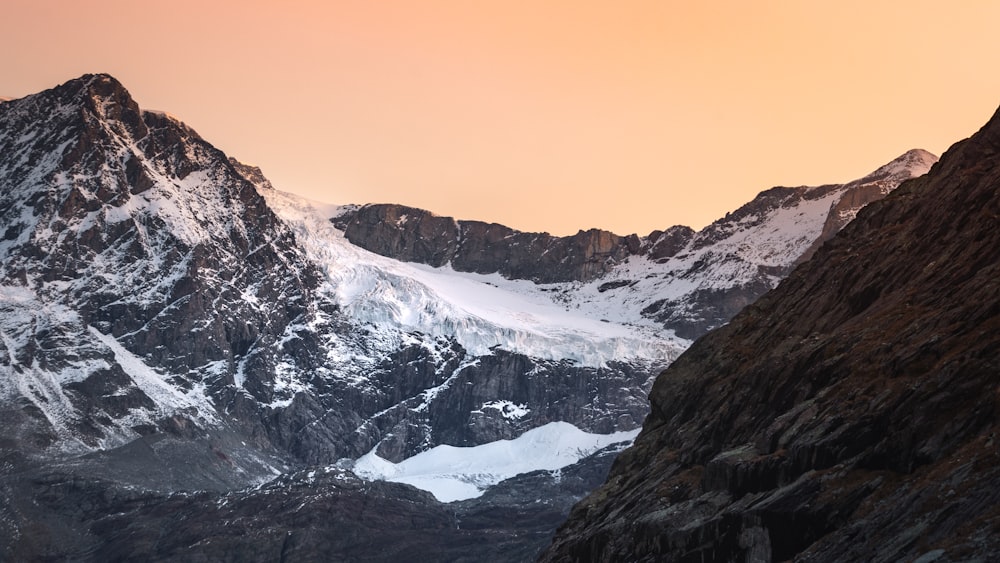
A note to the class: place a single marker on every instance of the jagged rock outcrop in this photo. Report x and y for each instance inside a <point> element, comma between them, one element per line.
<point>850,414</point>
<point>143,245</point>
<point>416,235</point>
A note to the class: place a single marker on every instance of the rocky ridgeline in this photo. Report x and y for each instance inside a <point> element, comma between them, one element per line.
<point>851,414</point>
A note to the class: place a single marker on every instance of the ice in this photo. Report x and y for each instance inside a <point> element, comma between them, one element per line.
<point>508,409</point>
<point>481,312</point>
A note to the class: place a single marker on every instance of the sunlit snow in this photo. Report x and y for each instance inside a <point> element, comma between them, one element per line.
<point>480,311</point>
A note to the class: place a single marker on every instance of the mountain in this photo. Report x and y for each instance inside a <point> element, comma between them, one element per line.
<point>178,337</point>
<point>850,414</point>
<point>173,323</point>
<point>686,281</point>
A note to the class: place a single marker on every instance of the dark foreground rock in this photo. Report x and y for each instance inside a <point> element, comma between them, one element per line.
<point>849,415</point>
<point>321,514</point>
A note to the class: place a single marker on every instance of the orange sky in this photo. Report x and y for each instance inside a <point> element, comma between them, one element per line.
<point>543,115</point>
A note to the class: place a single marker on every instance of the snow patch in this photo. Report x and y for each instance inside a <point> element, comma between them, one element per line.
<point>508,409</point>
<point>455,473</point>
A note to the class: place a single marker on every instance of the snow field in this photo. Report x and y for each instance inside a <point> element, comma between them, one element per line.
<point>453,473</point>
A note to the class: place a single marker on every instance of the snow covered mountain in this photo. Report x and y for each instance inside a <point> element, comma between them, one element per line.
<point>170,321</point>
<point>189,287</point>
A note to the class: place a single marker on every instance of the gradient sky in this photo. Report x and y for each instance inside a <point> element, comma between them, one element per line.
<point>542,115</point>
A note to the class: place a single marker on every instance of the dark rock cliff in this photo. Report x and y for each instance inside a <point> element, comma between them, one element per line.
<point>416,235</point>
<point>320,514</point>
<point>850,414</point>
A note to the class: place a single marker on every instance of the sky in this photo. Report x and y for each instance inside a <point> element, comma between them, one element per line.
<point>544,115</point>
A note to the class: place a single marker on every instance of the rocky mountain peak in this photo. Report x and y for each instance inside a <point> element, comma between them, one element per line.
<point>103,87</point>
<point>416,235</point>
<point>912,163</point>
<point>122,219</point>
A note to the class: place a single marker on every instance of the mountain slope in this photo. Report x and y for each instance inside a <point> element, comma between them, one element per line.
<point>848,415</point>
<point>109,233</point>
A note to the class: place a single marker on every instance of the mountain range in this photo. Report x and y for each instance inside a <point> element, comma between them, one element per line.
<point>179,337</point>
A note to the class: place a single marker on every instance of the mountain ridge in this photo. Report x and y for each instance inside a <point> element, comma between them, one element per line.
<point>199,316</point>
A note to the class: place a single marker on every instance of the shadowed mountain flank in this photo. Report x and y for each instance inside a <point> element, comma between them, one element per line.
<point>850,414</point>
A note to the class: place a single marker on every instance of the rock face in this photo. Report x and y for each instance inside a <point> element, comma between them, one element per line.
<point>848,415</point>
<point>111,247</point>
<point>169,323</point>
<point>686,281</point>
<point>416,235</point>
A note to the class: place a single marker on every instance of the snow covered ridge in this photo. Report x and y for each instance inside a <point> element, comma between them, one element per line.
<point>481,312</point>
<point>912,163</point>
<point>626,315</point>
<point>452,474</point>
<point>675,279</point>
